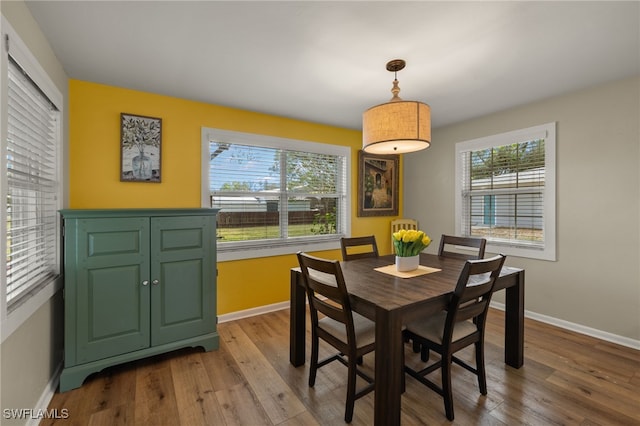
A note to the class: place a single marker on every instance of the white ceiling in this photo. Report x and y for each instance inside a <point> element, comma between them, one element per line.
<point>325,61</point>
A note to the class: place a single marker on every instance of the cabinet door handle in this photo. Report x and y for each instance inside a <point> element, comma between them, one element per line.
<point>155,282</point>
<point>145,283</point>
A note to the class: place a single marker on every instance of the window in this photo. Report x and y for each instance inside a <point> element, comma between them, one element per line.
<point>30,173</point>
<point>505,191</point>
<point>275,195</point>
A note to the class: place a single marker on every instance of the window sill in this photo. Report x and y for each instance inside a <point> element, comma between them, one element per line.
<point>241,254</point>
<point>529,253</point>
<point>22,313</point>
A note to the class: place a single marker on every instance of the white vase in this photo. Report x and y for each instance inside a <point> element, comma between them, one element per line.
<point>141,165</point>
<point>405,264</point>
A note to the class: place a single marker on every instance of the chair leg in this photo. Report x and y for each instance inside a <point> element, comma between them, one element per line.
<point>424,353</point>
<point>482,378</point>
<point>447,393</point>
<point>313,367</point>
<point>403,385</point>
<point>351,390</point>
<point>416,347</point>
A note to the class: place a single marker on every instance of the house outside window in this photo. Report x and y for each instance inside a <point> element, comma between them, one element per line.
<point>505,191</point>
<point>275,195</point>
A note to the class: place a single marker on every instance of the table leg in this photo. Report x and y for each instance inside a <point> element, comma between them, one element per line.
<point>514,323</point>
<point>297,320</point>
<point>389,368</point>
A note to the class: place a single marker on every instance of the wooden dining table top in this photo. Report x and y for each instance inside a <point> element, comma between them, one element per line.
<point>370,288</point>
<point>366,285</point>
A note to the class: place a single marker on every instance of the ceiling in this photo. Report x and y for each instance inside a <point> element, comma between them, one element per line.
<point>325,61</point>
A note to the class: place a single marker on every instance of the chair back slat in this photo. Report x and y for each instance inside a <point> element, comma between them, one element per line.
<point>335,312</point>
<point>358,247</point>
<point>473,291</point>
<point>331,303</point>
<point>449,242</point>
<point>471,311</point>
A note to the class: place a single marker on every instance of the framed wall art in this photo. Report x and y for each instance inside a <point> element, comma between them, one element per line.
<point>377,184</point>
<point>140,148</point>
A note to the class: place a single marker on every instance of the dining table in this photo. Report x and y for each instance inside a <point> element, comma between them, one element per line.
<point>391,301</point>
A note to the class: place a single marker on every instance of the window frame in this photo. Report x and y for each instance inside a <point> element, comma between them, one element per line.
<point>12,319</point>
<point>266,248</point>
<point>546,131</point>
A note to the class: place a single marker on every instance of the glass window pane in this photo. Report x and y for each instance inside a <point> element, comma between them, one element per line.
<point>247,218</point>
<point>312,173</point>
<point>243,168</point>
<point>312,216</point>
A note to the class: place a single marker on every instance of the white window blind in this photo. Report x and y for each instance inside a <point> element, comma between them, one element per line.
<point>32,186</point>
<point>505,191</point>
<point>274,193</point>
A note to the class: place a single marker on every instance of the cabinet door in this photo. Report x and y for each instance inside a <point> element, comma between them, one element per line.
<point>112,304</point>
<point>183,276</point>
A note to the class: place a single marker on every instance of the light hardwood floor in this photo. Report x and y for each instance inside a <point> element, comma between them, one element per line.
<point>567,379</point>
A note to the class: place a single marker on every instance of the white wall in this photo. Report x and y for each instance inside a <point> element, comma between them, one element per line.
<point>595,283</point>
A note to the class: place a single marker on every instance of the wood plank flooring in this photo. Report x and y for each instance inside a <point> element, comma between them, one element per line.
<point>567,379</point>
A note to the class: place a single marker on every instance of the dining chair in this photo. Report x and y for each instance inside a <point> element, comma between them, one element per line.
<point>449,241</point>
<point>398,224</point>
<point>348,332</point>
<point>447,244</point>
<point>460,325</point>
<point>358,247</point>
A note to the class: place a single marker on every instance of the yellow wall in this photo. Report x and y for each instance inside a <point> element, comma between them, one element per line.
<point>94,173</point>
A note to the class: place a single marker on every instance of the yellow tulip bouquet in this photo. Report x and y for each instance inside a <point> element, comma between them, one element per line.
<point>409,242</point>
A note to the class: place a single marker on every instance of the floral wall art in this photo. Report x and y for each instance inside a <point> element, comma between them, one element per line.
<point>140,146</point>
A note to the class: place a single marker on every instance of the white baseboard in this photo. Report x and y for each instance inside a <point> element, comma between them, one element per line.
<point>252,312</point>
<point>578,328</point>
<point>45,398</point>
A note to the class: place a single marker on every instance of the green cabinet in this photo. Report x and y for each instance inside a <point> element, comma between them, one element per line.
<point>137,283</point>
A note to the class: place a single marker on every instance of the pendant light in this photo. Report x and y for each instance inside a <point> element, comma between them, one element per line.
<point>397,126</point>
